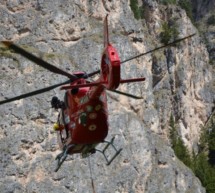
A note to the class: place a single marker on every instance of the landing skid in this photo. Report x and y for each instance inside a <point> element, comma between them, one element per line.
<point>87,151</point>
<point>62,156</point>
<point>117,152</point>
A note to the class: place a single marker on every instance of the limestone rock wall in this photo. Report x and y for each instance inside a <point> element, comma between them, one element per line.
<point>69,34</point>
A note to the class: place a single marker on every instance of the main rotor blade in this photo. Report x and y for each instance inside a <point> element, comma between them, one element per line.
<point>91,74</point>
<point>166,45</point>
<point>126,94</point>
<point>37,60</point>
<point>34,92</point>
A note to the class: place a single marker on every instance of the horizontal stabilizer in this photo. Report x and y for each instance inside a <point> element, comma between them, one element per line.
<point>132,80</point>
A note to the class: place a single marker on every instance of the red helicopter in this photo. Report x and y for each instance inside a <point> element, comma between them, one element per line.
<point>83,119</point>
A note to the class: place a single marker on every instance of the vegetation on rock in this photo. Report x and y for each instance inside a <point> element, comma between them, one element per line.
<point>137,10</point>
<point>169,32</point>
<point>166,2</point>
<point>178,145</point>
<point>184,4</point>
<point>203,162</point>
<point>187,6</point>
<point>211,20</point>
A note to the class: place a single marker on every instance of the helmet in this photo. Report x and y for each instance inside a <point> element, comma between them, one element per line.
<point>56,126</point>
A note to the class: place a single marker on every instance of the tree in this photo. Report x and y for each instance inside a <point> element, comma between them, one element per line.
<point>178,145</point>
<point>169,32</point>
<point>211,143</point>
<point>204,171</point>
<point>203,162</point>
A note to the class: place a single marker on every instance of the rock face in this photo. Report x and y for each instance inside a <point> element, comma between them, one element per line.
<point>205,20</point>
<point>69,34</point>
<point>202,8</point>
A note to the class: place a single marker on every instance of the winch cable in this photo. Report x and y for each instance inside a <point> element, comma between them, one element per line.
<point>91,175</point>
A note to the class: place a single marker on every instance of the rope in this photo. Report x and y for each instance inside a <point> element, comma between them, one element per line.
<point>91,176</point>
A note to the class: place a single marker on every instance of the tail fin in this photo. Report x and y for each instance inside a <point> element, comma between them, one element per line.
<point>106,34</point>
<point>110,63</point>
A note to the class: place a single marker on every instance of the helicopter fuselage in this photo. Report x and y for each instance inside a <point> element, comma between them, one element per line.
<point>84,118</point>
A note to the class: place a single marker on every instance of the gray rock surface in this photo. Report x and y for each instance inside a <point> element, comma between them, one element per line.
<point>69,34</point>
<point>202,7</point>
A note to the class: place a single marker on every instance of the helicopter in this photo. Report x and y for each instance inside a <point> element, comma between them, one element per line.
<point>82,122</point>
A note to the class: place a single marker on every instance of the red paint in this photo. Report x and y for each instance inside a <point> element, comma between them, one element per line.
<point>85,116</point>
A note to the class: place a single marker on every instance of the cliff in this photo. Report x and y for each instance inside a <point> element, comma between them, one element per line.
<point>69,34</point>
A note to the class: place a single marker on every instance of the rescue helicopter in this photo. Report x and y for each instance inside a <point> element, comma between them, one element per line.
<point>82,122</point>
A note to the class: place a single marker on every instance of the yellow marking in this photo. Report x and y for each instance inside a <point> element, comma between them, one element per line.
<point>98,107</point>
<point>92,115</point>
<point>92,127</point>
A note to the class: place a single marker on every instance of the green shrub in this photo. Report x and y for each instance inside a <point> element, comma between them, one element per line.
<point>211,143</point>
<point>166,2</point>
<point>178,145</point>
<point>211,20</point>
<point>187,6</point>
<point>204,171</point>
<point>169,33</point>
<point>137,10</point>
<point>201,163</point>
